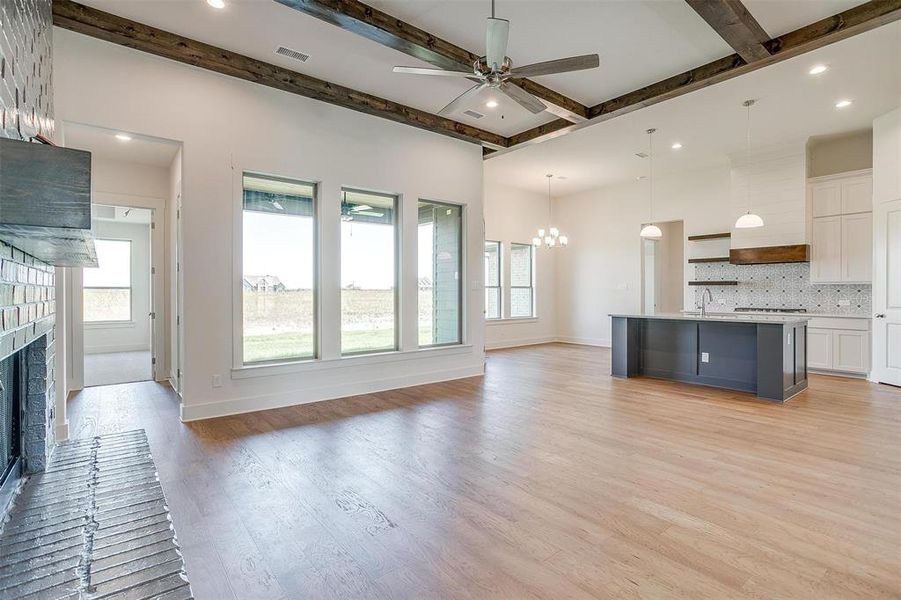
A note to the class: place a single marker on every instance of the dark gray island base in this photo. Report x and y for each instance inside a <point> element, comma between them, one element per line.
<point>759,354</point>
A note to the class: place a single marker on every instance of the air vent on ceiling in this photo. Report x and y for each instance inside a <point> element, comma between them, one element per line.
<point>641,154</point>
<point>473,114</point>
<point>292,54</point>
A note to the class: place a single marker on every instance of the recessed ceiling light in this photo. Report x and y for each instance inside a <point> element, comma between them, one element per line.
<point>491,103</point>
<point>842,103</point>
<point>818,69</point>
<point>123,137</point>
<point>216,3</point>
<point>676,146</point>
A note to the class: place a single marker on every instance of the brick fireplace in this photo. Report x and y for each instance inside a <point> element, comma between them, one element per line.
<point>27,303</point>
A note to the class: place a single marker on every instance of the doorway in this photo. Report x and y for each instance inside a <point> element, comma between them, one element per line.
<point>117,298</point>
<point>662,270</point>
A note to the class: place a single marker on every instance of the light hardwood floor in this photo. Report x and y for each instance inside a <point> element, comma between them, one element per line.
<point>544,479</point>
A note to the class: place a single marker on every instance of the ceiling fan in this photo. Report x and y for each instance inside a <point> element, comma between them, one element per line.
<point>495,69</point>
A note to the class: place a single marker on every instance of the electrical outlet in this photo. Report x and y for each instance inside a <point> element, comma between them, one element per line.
<point>705,357</point>
<point>217,381</point>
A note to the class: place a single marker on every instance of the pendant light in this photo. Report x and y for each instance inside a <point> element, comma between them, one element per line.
<point>748,220</point>
<point>551,236</point>
<point>651,231</point>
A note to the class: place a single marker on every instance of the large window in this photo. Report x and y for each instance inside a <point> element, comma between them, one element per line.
<point>493,298</point>
<point>522,286</point>
<point>107,287</point>
<point>368,272</point>
<point>279,269</point>
<point>440,270</point>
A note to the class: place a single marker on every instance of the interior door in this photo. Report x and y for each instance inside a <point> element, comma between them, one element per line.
<point>887,292</point>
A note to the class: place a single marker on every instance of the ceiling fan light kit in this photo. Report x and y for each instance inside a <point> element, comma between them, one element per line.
<point>495,69</point>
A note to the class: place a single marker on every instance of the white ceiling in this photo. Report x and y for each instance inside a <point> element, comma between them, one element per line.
<point>710,123</point>
<point>639,42</point>
<point>143,150</point>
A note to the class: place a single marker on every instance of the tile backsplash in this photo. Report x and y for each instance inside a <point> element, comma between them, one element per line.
<point>780,286</point>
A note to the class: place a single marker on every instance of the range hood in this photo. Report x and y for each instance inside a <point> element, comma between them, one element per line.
<point>45,202</point>
<point>770,255</point>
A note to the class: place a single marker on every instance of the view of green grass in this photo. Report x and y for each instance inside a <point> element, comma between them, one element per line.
<point>279,325</point>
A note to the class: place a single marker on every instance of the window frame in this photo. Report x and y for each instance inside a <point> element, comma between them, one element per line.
<point>461,249</point>
<point>238,258</point>
<point>532,256</point>
<point>131,295</point>
<point>398,233</point>
<point>500,282</point>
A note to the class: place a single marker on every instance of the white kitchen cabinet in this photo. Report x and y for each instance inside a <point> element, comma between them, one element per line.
<point>840,344</point>
<point>819,348</point>
<point>857,194</point>
<point>841,228</point>
<point>826,249</point>
<point>857,247</point>
<point>826,198</point>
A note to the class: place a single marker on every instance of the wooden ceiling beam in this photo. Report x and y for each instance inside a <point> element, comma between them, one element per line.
<point>380,27</point>
<point>732,21</point>
<point>111,28</point>
<point>843,25</point>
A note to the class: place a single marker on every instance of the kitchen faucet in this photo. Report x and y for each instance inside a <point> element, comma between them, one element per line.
<point>704,296</point>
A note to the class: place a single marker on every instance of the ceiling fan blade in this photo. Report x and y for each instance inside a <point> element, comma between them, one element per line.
<point>460,100</point>
<point>561,65</point>
<point>440,72</point>
<point>496,42</point>
<point>523,98</point>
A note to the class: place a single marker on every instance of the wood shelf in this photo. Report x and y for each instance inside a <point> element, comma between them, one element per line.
<point>770,255</point>
<point>709,260</point>
<point>712,283</point>
<point>709,236</point>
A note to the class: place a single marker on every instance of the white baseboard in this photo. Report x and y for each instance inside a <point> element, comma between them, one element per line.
<point>235,406</point>
<point>117,348</point>
<point>583,341</point>
<point>545,339</point>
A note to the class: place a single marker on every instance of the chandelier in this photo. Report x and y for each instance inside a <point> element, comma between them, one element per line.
<point>550,237</point>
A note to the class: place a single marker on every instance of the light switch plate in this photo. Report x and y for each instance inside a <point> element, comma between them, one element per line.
<point>705,357</point>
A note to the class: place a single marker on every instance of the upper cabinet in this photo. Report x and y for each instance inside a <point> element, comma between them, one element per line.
<point>841,227</point>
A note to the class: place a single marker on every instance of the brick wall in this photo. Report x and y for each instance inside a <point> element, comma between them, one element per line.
<point>27,304</point>
<point>26,101</point>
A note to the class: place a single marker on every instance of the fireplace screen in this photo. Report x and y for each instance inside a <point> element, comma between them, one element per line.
<point>10,415</point>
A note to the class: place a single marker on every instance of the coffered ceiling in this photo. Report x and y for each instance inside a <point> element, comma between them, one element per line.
<point>640,42</point>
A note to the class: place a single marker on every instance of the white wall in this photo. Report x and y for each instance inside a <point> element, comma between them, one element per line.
<point>840,154</point>
<point>601,271</point>
<point>227,126</point>
<point>135,334</point>
<point>887,157</point>
<point>777,179</point>
<point>129,179</point>
<point>512,215</point>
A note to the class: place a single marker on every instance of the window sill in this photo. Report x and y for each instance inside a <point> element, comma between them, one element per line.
<point>108,324</point>
<point>304,366</point>
<point>510,320</point>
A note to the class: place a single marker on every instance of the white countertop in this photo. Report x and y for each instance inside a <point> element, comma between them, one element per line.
<point>812,315</point>
<point>722,317</point>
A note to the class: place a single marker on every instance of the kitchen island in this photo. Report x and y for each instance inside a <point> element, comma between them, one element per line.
<point>762,354</point>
